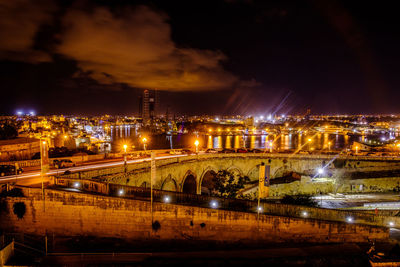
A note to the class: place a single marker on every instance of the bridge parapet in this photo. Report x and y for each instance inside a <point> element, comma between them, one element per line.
<point>172,173</point>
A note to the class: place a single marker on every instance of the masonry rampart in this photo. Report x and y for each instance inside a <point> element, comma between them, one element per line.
<point>70,213</point>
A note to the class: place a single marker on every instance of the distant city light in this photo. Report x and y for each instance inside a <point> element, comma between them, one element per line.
<point>349,219</point>
<point>120,192</point>
<point>304,213</point>
<point>320,171</point>
<point>391,224</point>
<point>76,185</point>
<point>32,113</point>
<point>19,112</point>
<point>260,209</point>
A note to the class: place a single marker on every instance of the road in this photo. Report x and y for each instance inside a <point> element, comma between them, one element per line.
<point>33,176</point>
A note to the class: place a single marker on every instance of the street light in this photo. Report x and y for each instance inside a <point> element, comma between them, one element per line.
<point>125,146</point>
<point>167,199</point>
<point>356,149</point>
<point>270,143</point>
<point>320,171</point>
<point>196,143</point>
<point>214,204</point>
<point>144,140</point>
<point>329,146</point>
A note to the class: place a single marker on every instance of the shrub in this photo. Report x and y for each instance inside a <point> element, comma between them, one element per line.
<point>19,209</point>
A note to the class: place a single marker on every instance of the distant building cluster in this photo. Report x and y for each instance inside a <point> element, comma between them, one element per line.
<point>96,134</point>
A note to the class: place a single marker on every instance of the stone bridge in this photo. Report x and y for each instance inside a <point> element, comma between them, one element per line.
<point>192,174</point>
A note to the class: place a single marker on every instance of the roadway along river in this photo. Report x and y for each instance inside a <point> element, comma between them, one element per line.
<point>36,174</point>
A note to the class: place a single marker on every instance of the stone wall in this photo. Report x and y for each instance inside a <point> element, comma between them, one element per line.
<point>68,213</point>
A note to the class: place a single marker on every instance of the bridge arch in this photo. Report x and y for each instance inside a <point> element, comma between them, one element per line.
<point>206,184</point>
<point>282,171</point>
<point>254,173</point>
<point>235,170</point>
<point>169,184</point>
<point>189,184</point>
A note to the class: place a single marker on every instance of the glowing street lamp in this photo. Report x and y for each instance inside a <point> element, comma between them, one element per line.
<point>270,144</point>
<point>144,140</point>
<point>329,146</point>
<point>356,149</point>
<point>196,143</point>
<point>125,146</point>
<point>167,199</point>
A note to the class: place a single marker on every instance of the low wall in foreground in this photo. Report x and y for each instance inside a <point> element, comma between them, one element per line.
<point>72,214</point>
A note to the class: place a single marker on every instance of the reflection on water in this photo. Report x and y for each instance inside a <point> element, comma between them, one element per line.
<point>209,142</point>
<point>296,141</point>
<point>237,141</point>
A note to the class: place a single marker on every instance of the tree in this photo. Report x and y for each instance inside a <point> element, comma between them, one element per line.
<point>227,184</point>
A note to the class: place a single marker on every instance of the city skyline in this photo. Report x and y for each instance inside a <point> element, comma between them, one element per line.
<point>225,57</point>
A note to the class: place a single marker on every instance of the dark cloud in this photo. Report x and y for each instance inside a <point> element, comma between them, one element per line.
<point>20,21</point>
<point>135,47</point>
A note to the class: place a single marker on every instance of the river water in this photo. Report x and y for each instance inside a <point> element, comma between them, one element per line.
<point>130,136</point>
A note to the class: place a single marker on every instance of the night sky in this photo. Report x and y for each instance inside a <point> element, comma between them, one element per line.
<point>205,57</point>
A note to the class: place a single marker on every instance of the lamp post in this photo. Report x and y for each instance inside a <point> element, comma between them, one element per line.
<point>125,165</point>
<point>144,140</point>
<point>196,143</point>
<point>309,140</point>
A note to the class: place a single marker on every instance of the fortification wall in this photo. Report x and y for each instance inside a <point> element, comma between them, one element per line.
<point>72,214</point>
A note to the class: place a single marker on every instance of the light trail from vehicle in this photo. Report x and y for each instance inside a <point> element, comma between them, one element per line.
<point>13,178</point>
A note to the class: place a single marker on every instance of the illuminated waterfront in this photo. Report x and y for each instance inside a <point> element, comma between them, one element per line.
<point>319,141</point>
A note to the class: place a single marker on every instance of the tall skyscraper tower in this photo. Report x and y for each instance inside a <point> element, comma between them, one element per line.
<point>149,105</point>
